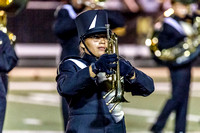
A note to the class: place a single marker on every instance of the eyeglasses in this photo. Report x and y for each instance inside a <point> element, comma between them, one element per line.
<point>98,36</point>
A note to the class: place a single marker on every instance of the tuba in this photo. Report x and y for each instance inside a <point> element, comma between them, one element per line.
<point>184,52</point>
<point>10,8</point>
<point>117,82</point>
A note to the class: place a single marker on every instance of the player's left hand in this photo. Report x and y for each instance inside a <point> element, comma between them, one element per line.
<point>125,67</point>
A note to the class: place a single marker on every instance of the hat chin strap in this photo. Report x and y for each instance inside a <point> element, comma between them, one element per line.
<point>87,47</point>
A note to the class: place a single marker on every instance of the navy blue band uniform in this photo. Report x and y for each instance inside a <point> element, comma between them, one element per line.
<point>8,60</point>
<point>88,111</point>
<point>85,97</point>
<point>8,57</point>
<point>65,29</point>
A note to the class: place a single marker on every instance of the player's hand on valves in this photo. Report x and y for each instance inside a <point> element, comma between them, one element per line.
<point>106,63</point>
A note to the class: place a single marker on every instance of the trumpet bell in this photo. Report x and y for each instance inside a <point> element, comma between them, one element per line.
<point>119,98</point>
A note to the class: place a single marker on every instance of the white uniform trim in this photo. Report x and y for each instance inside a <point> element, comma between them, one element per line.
<point>172,22</point>
<point>78,63</point>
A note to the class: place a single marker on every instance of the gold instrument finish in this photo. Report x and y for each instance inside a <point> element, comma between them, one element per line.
<point>4,3</point>
<point>13,7</point>
<point>179,53</point>
<point>3,28</point>
<point>10,8</point>
<point>116,80</point>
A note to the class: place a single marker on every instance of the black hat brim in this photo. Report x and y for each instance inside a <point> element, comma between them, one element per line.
<point>90,32</point>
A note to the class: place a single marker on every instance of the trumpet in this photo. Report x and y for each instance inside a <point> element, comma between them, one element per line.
<point>117,82</point>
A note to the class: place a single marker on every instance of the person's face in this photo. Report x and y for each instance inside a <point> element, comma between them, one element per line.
<point>97,44</point>
<point>180,9</point>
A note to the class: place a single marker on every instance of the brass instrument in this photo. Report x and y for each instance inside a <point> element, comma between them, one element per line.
<point>116,80</point>
<point>13,7</point>
<point>10,8</point>
<point>5,3</point>
<point>184,52</point>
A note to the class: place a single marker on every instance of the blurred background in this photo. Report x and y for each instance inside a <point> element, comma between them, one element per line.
<point>33,102</point>
<point>38,46</point>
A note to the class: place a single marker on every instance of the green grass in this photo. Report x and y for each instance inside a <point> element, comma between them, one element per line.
<point>155,102</point>
<point>39,79</point>
<point>16,114</point>
<point>50,116</point>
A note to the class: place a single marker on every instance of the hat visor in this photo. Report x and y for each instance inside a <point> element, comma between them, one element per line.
<point>99,30</point>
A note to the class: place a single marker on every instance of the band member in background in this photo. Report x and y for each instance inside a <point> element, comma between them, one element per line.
<point>174,32</point>
<point>65,29</point>
<point>8,60</point>
<point>80,80</point>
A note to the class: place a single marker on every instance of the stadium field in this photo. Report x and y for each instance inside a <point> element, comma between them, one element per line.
<point>34,107</point>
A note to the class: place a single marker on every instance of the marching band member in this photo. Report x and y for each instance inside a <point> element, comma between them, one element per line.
<point>172,33</point>
<point>65,29</point>
<point>8,57</point>
<point>8,60</point>
<point>81,80</point>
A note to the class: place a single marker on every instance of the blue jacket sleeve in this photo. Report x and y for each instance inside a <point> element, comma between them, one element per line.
<point>71,79</point>
<point>141,85</point>
<point>8,57</point>
<point>64,26</point>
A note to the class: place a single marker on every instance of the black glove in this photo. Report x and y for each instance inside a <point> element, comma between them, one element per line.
<point>126,68</point>
<point>105,64</point>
